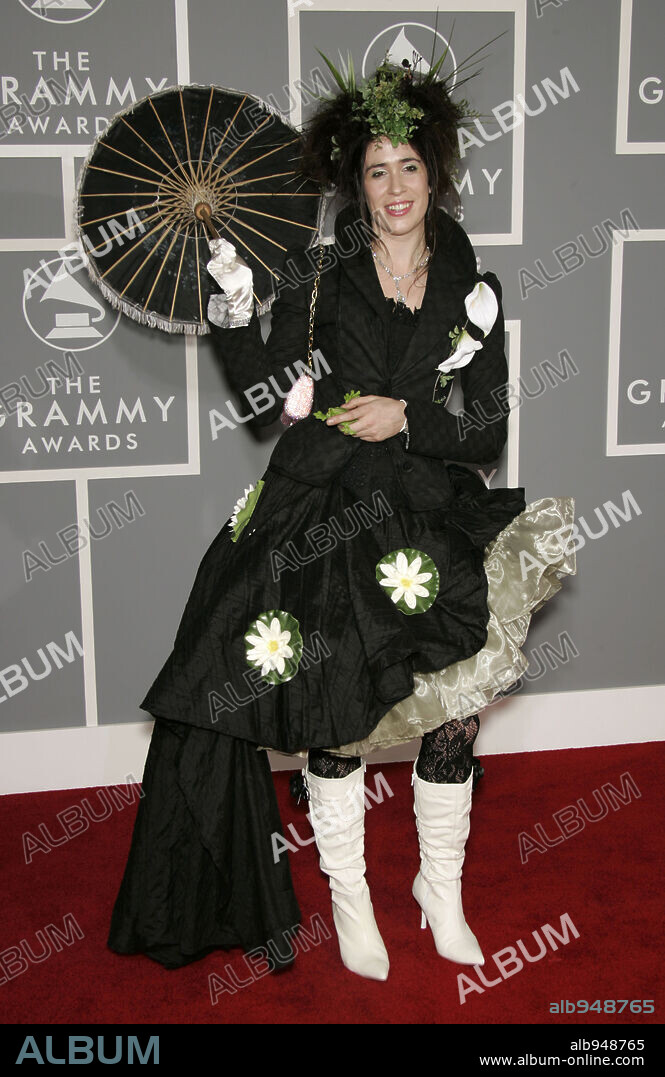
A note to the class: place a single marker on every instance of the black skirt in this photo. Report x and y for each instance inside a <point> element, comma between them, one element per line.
<point>310,560</point>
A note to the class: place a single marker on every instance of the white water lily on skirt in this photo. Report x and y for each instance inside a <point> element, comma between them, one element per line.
<point>273,643</point>
<point>413,590</point>
<point>243,509</point>
<point>482,308</point>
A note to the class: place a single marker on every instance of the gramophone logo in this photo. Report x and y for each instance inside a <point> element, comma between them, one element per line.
<point>62,10</point>
<point>61,310</point>
<point>408,41</point>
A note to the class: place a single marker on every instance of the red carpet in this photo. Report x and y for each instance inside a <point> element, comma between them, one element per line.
<point>607,876</point>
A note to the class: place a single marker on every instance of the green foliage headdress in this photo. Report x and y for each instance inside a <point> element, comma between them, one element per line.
<point>399,102</point>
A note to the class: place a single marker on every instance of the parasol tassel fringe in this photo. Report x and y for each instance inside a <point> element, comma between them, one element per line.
<point>149,318</point>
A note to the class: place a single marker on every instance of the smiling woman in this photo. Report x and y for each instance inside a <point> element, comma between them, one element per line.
<point>397,191</point>
<point>405,631</point>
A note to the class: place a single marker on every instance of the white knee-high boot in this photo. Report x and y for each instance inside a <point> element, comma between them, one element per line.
<point>337,815</point>
<point>442,819</point>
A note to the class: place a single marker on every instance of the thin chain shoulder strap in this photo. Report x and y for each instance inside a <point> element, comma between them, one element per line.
<point>315,292</point>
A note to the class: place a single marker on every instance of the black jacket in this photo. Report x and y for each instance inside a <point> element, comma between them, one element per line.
<point>350,332</point>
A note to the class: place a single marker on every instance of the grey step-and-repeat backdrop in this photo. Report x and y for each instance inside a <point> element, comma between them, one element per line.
<point>122,450</point>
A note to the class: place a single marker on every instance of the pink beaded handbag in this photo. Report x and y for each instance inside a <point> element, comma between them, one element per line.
<point>300,397</point>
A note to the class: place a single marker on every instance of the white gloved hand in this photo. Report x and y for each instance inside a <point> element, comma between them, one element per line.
<point>235,278</point>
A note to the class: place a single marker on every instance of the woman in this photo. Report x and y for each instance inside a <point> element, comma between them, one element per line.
<point>346,604</point>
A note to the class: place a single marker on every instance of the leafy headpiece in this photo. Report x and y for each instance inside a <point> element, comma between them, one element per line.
<point>400,102</point>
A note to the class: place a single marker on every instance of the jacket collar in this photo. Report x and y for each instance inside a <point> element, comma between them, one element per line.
<point>450,277</point>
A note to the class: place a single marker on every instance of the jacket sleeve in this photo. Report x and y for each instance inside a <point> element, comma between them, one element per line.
<point>478,433</point>
<point>255,368</point>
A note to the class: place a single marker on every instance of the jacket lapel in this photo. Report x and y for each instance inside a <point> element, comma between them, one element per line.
<point>448,282</point>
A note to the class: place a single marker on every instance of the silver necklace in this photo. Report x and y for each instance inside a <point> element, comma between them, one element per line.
<point>401,298</point>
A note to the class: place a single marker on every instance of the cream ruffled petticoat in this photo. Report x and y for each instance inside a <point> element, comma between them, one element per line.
<point>524,565</point>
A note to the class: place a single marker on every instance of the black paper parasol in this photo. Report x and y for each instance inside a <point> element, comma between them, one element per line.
<point>173,160</point>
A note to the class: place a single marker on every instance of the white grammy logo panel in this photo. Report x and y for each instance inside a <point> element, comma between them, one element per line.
<point>62,11</point>
<point>61,309</point>
<point>87,388</point>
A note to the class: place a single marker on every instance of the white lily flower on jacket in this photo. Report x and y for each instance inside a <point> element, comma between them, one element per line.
<point>482,308</point>
<point>466,348</point>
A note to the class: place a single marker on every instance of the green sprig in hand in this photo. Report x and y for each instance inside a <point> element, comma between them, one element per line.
<point>345,426</point>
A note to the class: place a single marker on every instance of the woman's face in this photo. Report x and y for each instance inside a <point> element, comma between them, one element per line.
<point>396,186</point>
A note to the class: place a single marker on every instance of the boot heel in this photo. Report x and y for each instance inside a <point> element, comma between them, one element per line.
<point>423,920</point>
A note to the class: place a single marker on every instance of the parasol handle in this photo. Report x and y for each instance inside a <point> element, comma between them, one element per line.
<point>202,212</point>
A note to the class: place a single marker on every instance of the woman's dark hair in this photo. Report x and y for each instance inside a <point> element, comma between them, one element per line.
<point>435,140</point>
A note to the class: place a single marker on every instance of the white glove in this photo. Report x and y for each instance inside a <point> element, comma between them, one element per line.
<point>235,278</point>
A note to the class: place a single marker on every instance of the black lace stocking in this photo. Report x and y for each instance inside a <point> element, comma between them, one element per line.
<point>446,753</point>
<point>445,756</point>
<point>326,765</point>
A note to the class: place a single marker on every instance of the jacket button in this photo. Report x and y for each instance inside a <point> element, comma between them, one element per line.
<point>407,466</point>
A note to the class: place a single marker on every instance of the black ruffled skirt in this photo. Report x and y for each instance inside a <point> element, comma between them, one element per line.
<point>320,561</point>
<point>311,629</point>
